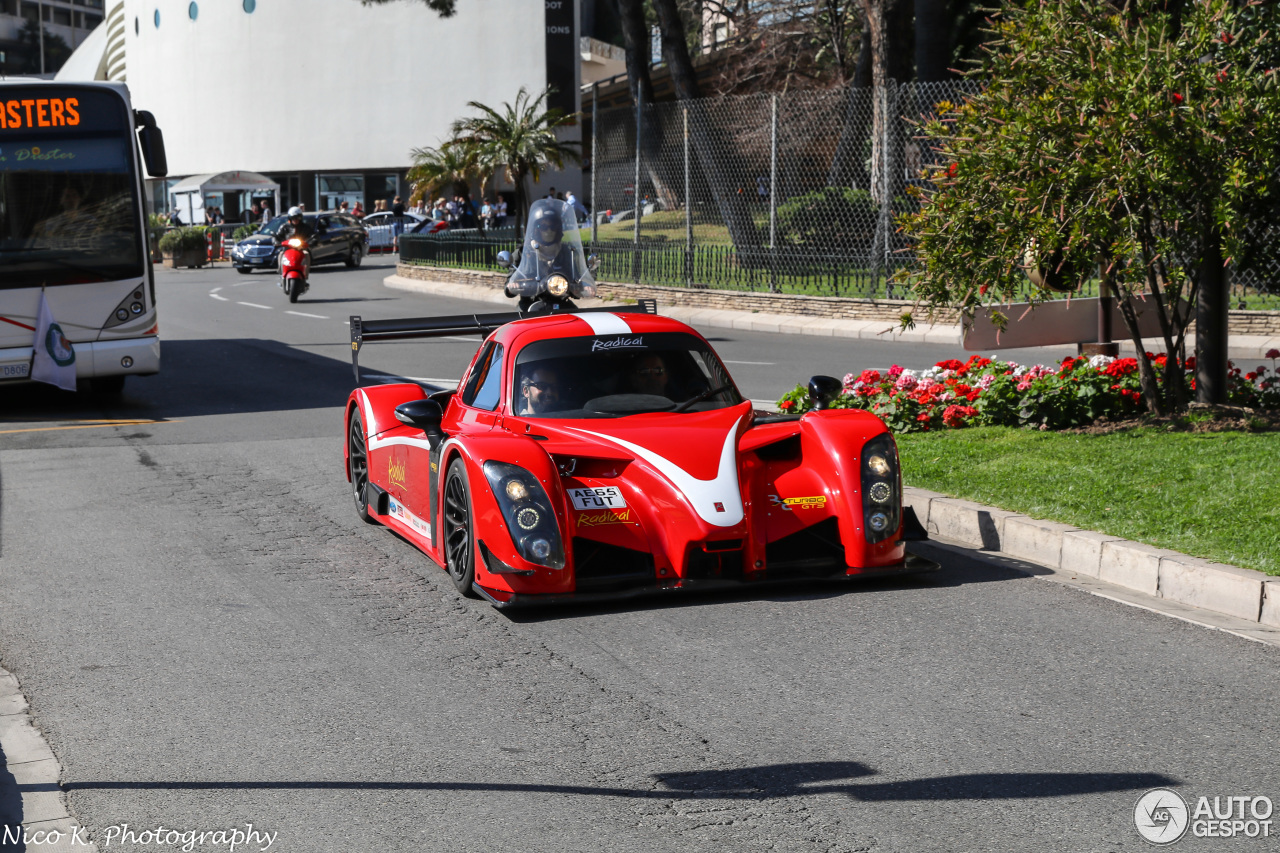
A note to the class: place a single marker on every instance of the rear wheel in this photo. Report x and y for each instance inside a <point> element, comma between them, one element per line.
<point>358,467</point>
<point>355,256</point>
<point>459,539</point>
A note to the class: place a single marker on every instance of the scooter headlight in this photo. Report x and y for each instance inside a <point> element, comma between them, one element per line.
<point>557,286</point>
<point>296,243</point>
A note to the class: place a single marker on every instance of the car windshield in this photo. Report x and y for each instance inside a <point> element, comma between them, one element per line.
<point>611,376</point>
<point>273,227</point>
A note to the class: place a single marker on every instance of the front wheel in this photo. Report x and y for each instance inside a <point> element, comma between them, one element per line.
<point>459,539</point>
<point>355,256</point>
<point>358,467</point>
<point>243,270</point>
<point>294,287</point>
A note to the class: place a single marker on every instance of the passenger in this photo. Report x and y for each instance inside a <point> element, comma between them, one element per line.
<point>540,391</point>
<point>649,375</point>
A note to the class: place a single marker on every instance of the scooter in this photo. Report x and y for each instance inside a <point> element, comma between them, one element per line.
<point>294,266</point>
<point>549,270</point>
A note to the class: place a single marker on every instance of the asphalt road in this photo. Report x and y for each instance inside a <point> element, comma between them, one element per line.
<point>209,637</point>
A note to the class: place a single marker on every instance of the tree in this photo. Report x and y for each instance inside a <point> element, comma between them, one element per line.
<point>449,166</point>
<point>56,50</point>
<point>518,138</point>
<point>1142,144</point>
<point>443,8</point>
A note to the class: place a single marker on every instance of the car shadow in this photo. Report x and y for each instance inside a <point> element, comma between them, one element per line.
<point>763,782</point>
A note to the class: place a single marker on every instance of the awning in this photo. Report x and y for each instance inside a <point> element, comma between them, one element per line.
<point>225,182</point>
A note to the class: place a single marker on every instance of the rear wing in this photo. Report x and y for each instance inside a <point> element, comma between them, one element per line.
<point>368,331</point>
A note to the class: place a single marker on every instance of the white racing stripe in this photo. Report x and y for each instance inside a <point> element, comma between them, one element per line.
<point>703,494</point>
<point>605,324</point>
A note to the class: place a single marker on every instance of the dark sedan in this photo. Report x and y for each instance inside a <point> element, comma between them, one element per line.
<point>338,237</point>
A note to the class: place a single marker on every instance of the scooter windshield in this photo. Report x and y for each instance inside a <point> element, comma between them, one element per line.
<point>552,246</point>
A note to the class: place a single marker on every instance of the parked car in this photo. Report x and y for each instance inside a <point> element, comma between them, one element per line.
<point>607,453</point>
<point>383,231</point>
<point>338,237</point>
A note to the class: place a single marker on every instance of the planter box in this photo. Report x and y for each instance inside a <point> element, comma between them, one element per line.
<point>189,258</point>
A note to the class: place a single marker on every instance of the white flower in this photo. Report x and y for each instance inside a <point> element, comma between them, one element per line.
<point>1100,361</point>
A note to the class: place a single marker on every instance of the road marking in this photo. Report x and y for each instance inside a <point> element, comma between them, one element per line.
<point>88,426</point>
<point>219,298</point>
<point>255,305</point>
<point>762,363</point>
<point>215,290</point>
<point>312,316</point>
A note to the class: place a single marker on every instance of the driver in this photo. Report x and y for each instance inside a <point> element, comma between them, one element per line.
<point>540,391</point>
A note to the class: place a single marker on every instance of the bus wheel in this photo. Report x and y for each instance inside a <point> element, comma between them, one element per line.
<point>107,386</point>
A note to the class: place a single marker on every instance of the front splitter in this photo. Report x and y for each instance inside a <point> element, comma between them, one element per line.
<point>502,600</point>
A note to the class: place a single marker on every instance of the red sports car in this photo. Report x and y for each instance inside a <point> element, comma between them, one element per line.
<point>598,454</point>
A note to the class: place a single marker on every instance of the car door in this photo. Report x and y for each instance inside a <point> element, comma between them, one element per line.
<point>322,245</point>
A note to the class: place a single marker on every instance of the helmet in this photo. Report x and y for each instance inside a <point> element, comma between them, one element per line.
<point>295,211</point>
<point>544,222</point>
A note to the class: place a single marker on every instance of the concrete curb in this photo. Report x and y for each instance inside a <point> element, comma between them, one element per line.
<point>33,799</point>
<point>1157,572</point>
<point>1242,347</point>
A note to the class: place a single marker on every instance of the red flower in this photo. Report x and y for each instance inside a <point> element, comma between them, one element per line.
<point>1226,38</point>
<point>1177,98</point>
<point>952,169</point>
<point>950,364</point>
<point>1271,353</point>
<point>1222,76</point>
<point>786,405</point>
<point>922,417</point>
<point>982,289</point>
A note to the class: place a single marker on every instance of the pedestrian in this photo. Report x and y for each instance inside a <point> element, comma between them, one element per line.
<point>762,191</point>
<point>486,215</point>
<point>174,219</point>
<point>551,193</point>
<point>397,207</point>
<point>501,211</point>
<point>267,212</point>
<point>358,211</point>
<point>579,211</point>
<point>345,207</point>
<point>255,212</point>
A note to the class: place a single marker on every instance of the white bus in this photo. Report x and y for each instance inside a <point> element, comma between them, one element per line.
<point>73,223</point>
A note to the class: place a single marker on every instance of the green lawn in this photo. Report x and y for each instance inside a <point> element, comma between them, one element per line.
<point>1211,495</point>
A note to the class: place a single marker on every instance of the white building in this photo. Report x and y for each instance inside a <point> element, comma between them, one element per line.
<point>326,97</point>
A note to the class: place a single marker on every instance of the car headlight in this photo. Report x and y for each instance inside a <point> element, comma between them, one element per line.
<point>526,508</point>
<point>881,488</point>
<point>557,286</point>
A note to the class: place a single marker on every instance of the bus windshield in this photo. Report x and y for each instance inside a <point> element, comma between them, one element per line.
<point>68,199</point>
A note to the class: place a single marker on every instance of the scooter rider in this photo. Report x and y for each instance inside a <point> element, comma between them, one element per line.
<point>297,227</point>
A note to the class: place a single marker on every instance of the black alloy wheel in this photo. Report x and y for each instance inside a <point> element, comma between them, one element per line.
<point>459,550</point>
<point>354,256</point>
<point>358,468</point>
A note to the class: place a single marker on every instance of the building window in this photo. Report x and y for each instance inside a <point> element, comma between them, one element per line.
<point>62,17</point>
<point>193,11</point>
<point>250,5</point>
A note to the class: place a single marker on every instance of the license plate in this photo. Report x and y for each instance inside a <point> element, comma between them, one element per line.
<point>597,497</point>
<point>15,371</point>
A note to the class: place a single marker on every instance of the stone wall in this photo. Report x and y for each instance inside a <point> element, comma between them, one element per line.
<point>1261,323</point>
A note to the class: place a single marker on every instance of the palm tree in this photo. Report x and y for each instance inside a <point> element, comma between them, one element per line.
<point>434,169</point>
<point>518,138</point>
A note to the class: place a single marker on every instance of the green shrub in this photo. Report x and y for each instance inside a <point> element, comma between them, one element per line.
<point>835,217</point>
<point>244,231</point>
<point>181,240</point>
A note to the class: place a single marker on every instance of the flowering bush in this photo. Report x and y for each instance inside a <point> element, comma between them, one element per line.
<point>984,392</point>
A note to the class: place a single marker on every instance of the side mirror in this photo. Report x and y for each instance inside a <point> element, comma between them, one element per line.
<point>504,259</point>
<point>426,415</point>
<point>593,262</point>
<point>824,389</point>
<point>151,141</point>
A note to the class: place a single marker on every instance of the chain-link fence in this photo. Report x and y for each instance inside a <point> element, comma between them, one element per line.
<point>794,193</point>
<point>790,194</point>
